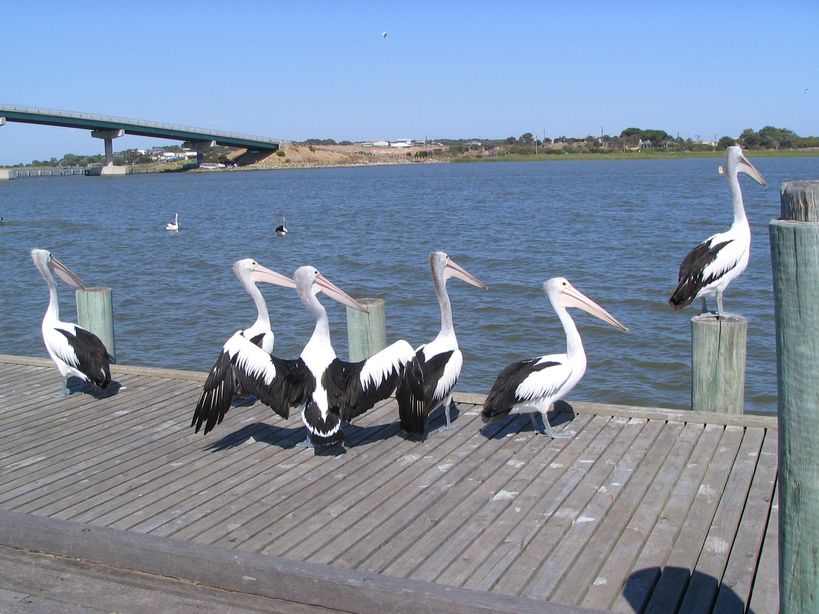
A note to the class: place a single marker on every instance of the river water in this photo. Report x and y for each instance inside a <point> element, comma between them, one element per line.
<point>616,229</point>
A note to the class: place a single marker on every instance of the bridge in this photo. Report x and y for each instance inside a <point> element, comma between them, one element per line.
<point>107,128</point>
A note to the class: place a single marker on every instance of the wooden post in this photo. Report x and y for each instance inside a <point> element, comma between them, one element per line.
<point>718,349</point>
<point>795,268</point>
<point>366,332</point>
<point>95,313</point>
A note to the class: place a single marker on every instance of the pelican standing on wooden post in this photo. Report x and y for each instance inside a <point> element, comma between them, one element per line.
<point>342,390</point>
<point>245,363</point>
<point>76,351</point>
<point>431,376</point>
<point>721,258</point>
<point>532,386</point>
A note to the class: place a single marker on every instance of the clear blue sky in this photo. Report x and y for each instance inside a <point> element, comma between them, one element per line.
<point>485,69</point>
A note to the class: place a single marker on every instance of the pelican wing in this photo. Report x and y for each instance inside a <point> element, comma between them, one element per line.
<point>216,396</point>
<point>354,387</point>
<point>522,381</point>
<point>423,385</point>
<point>704,265</point>
<point>84,351</point>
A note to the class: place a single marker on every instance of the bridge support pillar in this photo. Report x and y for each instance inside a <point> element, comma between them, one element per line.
<point>200,147</point>
<point>108,136</point>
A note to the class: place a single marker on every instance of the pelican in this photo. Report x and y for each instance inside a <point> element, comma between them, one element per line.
<point>281,230</point>
<point>342,390</point>
<point>716,262</point>
<point>174,226</point>
<point>245,362</point>
<point>430,377</point>
<point>533,385</point>
<point>73,349</point>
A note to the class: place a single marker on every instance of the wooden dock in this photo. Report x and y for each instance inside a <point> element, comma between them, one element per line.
<point>642,510</point>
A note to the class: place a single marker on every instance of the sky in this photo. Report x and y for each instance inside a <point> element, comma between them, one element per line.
<point>478,69</point>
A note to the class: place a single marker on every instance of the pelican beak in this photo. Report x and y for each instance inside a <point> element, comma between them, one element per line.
<point>66,274</point>
<point>572,297</point>
<point>746,167</point>
<point>337,294</point>
<point>453,269</point>
<point>265,275</point>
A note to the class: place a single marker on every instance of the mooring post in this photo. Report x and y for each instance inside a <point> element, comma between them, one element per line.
<point>366,332</point>
<point>718,350</point>
<point>95,312</point>
<point>795,268</point>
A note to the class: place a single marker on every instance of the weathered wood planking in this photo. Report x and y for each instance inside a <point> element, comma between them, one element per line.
<point>640,509</point>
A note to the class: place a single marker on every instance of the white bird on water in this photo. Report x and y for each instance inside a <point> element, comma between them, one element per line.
<point>533,385</point>
<point>716,262</point>
<point>76,351</point>
<point>173,226</point>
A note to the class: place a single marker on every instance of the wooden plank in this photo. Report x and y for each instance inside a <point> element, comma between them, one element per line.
<point>318,502</point>
<point>470,508</point>
<point>676,573</point>
<point>765,591</point>
<point>620,502</point>
<point>225,483</point>
<point>228,519</point>
<point>610,577</point>
<point>545,525</point>
<point>84,452</point>
<point>677,415</point>
<point>710,565</point>
<point>651,559</point>
<point>164,482</point>
<point>553,568</point>
<point>539,473</point>
<point>418,495</point>
<point>560,479</point>
<point>417,536</point>
<point>736,583</point>
<point>108,455</point>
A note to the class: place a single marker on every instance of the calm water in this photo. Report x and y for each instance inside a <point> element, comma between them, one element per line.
<point>616,229</point>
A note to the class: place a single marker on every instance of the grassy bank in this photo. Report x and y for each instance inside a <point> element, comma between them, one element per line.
<point>639,155</point>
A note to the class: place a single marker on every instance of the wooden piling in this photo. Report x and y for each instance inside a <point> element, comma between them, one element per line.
<point>795,268</point>
<point>95,313</point>
<point>718,352</point>
<point>366,332</point>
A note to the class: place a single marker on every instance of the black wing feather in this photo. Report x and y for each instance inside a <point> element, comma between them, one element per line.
<point>293,384</point>
<point>416,389</point>
<point>345,394</point>
<point>216,396</point>
<point>92,357</point>
<point>502,397</point>
<point>690,278</point>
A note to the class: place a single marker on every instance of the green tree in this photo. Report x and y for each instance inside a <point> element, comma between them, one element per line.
<point>725,142</point>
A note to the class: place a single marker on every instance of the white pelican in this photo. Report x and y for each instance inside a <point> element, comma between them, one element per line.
<point>343,390</point>
<point>73,349</point>
<point>174,226</point>
<point>534,385</point>
<point>281,230</point>
<point>716,262</point>
<point>430,377</point>
<point>245,362</point>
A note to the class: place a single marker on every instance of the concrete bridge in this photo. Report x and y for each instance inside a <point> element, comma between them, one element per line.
<point>108,128</point>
